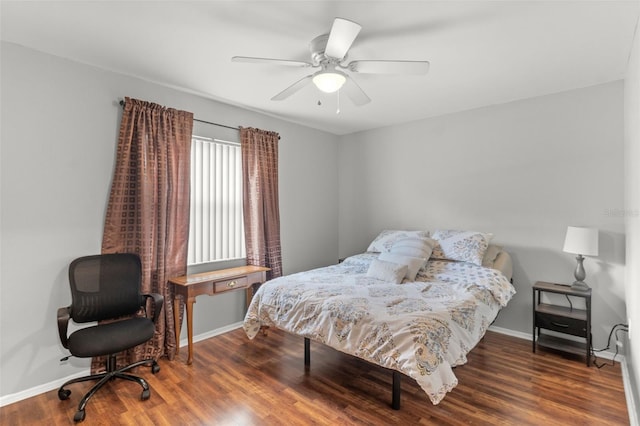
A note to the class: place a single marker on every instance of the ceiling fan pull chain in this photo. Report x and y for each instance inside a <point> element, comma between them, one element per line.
<point>338,110</point>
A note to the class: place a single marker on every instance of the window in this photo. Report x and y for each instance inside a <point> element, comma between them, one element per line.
<point>216,230</point>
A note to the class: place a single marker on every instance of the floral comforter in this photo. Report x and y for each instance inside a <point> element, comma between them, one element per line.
<point>422,329</point>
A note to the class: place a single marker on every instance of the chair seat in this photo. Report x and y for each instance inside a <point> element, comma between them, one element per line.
<point>105,339</point>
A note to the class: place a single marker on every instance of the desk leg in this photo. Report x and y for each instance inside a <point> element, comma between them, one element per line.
<point>176,321</point>
<point>190,328</point>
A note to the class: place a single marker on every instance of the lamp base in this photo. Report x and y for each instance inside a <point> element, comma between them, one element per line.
<point>580,285</point>
<point>580,275</point>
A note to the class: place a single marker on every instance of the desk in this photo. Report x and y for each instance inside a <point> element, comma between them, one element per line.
<point>211,283</point>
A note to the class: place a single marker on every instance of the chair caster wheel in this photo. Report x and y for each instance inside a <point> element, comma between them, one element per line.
<point>146,394</point>
<point>79,416</point>
<point>155,368</point>
<point>63,394</point>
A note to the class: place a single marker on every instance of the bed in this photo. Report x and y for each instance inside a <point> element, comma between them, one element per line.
<point>419,325</point>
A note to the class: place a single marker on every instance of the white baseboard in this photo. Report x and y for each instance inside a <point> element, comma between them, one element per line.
<point>512,333</point>
<point>527,336</point>
<point>629,395</point>
<point>46,387</point>
<point>37,390</point>
<point>212,333</point>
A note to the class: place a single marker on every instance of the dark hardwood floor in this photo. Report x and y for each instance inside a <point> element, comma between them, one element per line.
<point>234,381</point>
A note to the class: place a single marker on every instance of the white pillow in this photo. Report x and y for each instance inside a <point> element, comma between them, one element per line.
<point>386,238</point>
<point>414,264</point>
<point>414,246</point>
<point>387,271</point>
<point>463,246</point>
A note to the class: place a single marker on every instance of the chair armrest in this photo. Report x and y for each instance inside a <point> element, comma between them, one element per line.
<point>157,304</point>
<point>64,314</point>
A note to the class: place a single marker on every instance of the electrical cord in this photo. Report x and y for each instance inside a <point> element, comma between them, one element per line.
<point>615,329</point>
<point>569,300</point>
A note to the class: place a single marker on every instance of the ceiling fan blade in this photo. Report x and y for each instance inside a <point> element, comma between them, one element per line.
<point>343,33</point>
<point>389,67</point>
<point>355,93</point>
<point>293,88</point>
<point>285,62</point>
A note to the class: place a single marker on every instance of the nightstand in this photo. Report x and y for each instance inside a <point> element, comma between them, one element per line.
<point>562,319</point>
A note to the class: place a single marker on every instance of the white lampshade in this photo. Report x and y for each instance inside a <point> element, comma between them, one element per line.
<point>581,240</point>
<point>329,81</point>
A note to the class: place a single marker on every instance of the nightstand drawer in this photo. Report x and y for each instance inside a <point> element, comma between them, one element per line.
<point>561,324</point>
<point>233,284</point>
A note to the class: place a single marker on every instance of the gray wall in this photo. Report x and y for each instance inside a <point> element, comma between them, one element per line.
<point>59,130</point>
<point>523,171</point>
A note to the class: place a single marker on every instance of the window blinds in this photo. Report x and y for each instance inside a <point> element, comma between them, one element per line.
<point>216,230</point>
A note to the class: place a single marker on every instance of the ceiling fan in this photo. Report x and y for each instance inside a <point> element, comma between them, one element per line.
<point>329,53</point>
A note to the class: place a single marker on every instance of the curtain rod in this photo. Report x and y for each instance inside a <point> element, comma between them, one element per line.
<point>203,121</point>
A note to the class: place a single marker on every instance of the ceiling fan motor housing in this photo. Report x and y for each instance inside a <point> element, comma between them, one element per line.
<point>317,46</point>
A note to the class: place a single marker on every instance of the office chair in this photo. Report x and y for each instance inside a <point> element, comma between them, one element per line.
<point>107,287</point>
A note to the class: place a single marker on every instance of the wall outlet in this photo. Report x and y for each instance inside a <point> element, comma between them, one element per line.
<point>619,344</point>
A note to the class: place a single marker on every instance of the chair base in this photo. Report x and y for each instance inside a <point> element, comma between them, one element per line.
<point>102,378</point>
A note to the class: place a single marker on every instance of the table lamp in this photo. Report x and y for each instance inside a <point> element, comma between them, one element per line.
<point>581,241</point>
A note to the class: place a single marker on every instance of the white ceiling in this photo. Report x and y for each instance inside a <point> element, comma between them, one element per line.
<point>481,52</point>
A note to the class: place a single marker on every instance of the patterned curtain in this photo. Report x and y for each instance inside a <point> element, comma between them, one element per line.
<point>260,198</point>
<point>148,211</point>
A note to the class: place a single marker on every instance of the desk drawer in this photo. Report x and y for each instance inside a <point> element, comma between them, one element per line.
<point>561,324</point>
<point>233,284</point>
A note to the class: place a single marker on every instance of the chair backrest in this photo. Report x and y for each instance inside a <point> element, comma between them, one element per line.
<point>105,286</point>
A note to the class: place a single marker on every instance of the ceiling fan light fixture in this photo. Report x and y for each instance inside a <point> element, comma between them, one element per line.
<point>329,81</point>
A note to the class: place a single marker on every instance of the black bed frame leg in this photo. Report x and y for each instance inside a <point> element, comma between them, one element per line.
<point>395,397</point>
<point>307,352</point>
